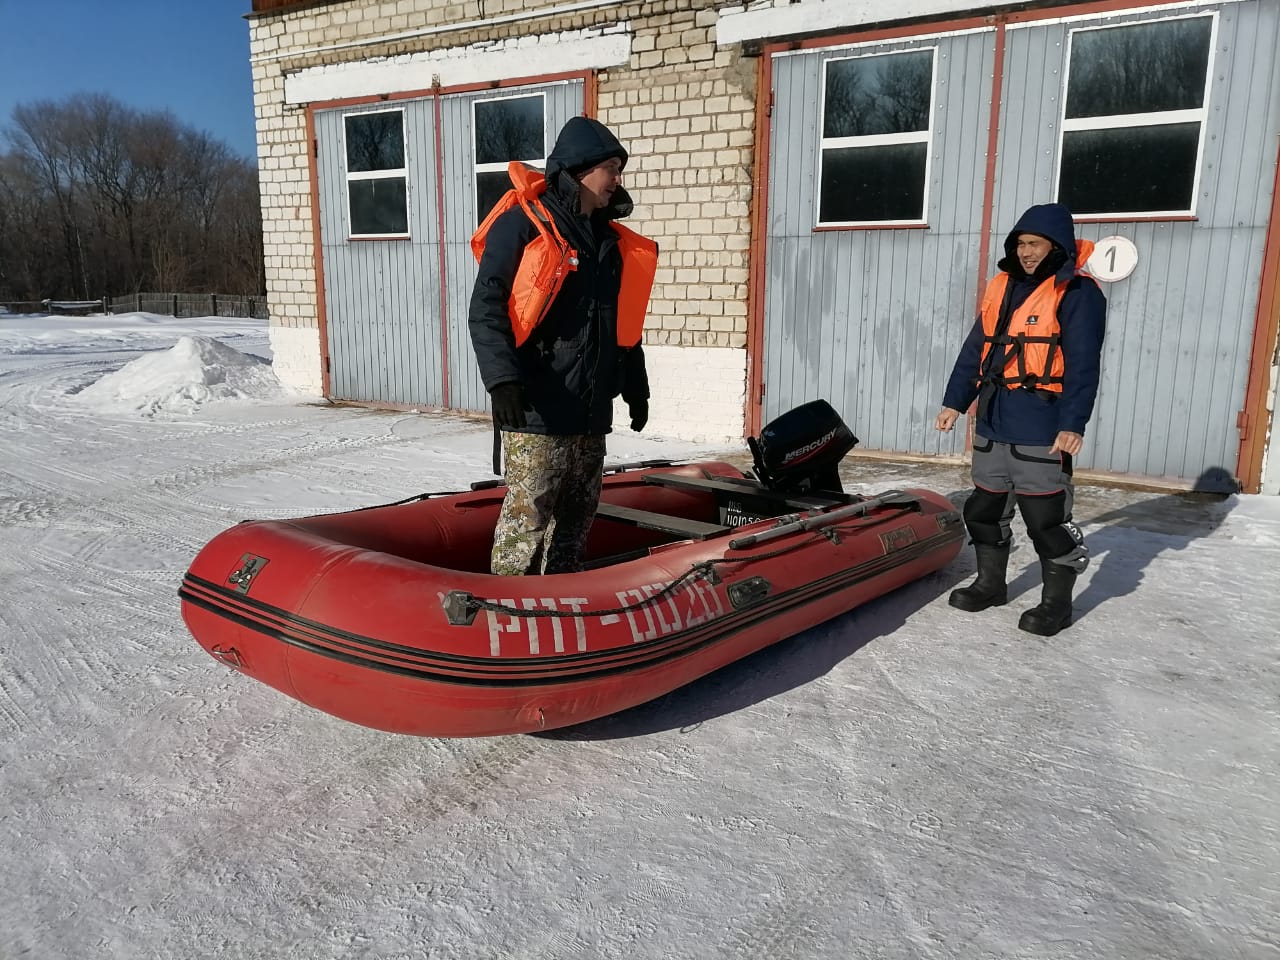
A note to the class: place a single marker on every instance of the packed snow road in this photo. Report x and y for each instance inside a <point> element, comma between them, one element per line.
<point>906,781</point>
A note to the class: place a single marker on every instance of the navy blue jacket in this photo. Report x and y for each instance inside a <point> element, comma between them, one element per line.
<point>571,366</point>
<point>1034,418</point>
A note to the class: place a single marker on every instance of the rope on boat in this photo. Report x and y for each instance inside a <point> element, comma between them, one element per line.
<point>490,484</point>
<point>461,607</point>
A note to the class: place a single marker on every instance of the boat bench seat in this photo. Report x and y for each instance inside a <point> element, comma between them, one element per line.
<point>667,523</point>
<point>751,490</point>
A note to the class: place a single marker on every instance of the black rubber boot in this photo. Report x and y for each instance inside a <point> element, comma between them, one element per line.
<point>990,589</point>
<point>1054,611</point>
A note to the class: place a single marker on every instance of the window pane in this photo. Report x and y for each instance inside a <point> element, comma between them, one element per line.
<point>873,183</point>
<point>375,141</point>
<point>489,190</point>
<point>510,130</point>
<point>1144,68</point>
<point>378,206</point>
<point>870,96</point>
<point>1129,170</point>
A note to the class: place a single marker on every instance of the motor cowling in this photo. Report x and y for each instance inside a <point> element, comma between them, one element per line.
<point>802,449</point>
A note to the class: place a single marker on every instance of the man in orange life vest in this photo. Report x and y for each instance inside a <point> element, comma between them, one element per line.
<point>1032,362</point>
<point>553,369</point>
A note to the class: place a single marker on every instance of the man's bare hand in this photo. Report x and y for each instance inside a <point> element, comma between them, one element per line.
<point>1067,442</point>
<point>946,419</point>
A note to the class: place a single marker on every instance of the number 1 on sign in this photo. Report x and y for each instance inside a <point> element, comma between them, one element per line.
<point>1114,258</point>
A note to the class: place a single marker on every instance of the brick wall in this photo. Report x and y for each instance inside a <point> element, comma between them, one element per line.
<point>684,109</point>
<point>698,394</point>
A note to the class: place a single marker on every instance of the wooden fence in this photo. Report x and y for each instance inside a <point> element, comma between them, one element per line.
<point>189,305</point>
<point>168,304</point>
<point>67,308</point>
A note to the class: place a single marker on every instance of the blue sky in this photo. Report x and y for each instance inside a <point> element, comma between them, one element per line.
<point>190,57</point>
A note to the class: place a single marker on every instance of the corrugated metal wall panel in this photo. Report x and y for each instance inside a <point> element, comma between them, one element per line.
<point>563,100</point>
<point>382,297</point>
<point>1175,362</point>
<point>871,319</point>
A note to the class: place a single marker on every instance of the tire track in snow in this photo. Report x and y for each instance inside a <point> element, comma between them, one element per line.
<point>35,671</point>
<point>134,612</point>
<point>344,813</point>
<point>100,580</point>
<point>202,475</point>
<point>25,512</point>
<point>82,655</point>
<point>99,629</point>
<point>126,611</point>
<point>26,411</point>
<point>136,502</point>
<point>14,688</point>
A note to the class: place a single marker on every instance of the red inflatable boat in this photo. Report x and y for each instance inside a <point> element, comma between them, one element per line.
<point>387,617</point>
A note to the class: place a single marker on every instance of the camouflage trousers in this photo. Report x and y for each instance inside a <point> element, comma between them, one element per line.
<point>553,487</point>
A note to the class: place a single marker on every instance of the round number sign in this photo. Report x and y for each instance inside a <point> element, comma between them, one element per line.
<point>1113,259</point>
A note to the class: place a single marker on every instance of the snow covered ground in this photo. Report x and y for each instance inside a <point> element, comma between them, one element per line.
<point>904,782</point>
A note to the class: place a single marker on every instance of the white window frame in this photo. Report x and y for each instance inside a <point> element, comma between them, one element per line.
<point>889,139</point>
<point>1130,120</point>
<point>501,166</point>
<point>401,173</point>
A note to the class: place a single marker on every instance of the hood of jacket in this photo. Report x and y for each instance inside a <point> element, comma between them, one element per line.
<point>1053,222</point>
<point>584,142</point>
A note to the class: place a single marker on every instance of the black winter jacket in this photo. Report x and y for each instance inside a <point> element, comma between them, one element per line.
<point>571,366</point>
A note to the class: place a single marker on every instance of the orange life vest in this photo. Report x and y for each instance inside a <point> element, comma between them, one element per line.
<point>1033,358</point>
<point>548,259</point>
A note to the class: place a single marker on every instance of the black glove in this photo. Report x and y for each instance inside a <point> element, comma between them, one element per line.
<point>509,404</point>
<point>639,410</point>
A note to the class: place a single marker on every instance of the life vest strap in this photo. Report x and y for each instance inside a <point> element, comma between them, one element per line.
<point>1029,382</point>
<point>1004,339</point>
<point>1018,343</point>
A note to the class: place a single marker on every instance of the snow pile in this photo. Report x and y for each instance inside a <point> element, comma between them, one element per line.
<point>121,332</point>
<point>195,371</point>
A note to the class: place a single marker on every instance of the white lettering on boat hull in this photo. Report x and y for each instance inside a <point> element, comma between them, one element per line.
<point>694,604</point>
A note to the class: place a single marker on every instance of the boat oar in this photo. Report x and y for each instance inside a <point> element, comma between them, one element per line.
<point>889,498</point>
<point>637,465</point>
<point>609,468</point>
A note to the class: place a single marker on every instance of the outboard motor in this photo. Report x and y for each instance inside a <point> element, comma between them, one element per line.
<point>802,449</point>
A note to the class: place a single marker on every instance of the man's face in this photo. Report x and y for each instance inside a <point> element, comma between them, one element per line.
<point>598,184</point>
<point>1031,250</point>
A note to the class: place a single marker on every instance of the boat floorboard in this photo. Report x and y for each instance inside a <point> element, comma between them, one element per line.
<point>753,490</point>
<point>684,527</point>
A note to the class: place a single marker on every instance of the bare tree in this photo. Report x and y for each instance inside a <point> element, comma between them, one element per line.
<point>25,213</point>
<point>43,138</point>
<point>133,200</point>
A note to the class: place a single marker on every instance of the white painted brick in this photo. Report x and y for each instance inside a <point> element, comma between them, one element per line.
<point>296,358</point>
<point>710,379</point>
